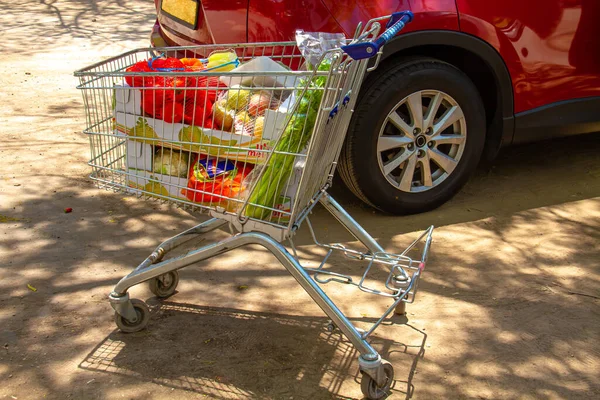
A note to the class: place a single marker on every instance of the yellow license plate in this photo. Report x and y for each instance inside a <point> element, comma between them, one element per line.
<point>183,11</point>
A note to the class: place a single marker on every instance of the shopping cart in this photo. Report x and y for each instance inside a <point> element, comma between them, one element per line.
<point>254,147</point>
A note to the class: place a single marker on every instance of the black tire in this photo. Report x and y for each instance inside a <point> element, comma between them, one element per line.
<point>359,168</point>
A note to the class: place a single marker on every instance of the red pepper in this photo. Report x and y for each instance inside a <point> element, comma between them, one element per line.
<point>161,103</point>
<point>177,82</point>
<point>193,64</point>
<point>171,98</point>
<point>167,63</point>
<point>171,64</point>
<point>172,113</point>
<point>138,81</point>
<point>211,85</point>
<point>196,98</point>
<point>197,115</point>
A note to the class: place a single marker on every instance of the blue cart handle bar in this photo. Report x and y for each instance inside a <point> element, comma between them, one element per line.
<point>359,51</point>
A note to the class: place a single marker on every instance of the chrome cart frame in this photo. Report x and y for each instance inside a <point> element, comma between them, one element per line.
<point>318,162</point>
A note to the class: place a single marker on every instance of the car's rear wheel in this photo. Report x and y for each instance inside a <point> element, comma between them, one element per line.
<point>416,136</point>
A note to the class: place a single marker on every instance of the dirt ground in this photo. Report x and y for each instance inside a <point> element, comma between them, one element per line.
<point>508,307</point>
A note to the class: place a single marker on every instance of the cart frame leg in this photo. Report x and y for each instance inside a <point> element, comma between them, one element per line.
<point>369,358</point>
<point>363,236</point>
<point>350,224</point>
<point>143,272</point>
<point>119,298</point>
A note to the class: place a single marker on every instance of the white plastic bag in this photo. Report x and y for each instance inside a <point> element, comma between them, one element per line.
<point>313,45</point>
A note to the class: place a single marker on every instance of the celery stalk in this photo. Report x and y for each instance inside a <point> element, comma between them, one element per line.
<point>293,140</point>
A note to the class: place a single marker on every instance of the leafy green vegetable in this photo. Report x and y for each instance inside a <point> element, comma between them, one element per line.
<point>293,140</point>
<point>168,162</point>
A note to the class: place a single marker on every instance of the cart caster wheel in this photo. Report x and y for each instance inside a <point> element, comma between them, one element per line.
<point>164,286</point>
<point>143,316</point>
<point>369,387</point>
<point>330,327</point>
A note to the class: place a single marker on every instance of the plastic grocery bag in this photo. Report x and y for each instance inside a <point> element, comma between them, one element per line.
<point>215,181</point>
<point>313,45</point>
<point>259,64</point>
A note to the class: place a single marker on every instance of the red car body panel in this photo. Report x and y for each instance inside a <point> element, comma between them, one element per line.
<point>278,20</point>
<point>284,17</point>
<point>549,46</point>
<point>429,14</point>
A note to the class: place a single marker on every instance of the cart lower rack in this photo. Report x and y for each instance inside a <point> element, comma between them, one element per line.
<point>250,133</point>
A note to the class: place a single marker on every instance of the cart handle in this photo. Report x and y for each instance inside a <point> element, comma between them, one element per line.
<point>396,23</point>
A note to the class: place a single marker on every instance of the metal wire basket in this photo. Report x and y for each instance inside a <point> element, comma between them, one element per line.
<point>137,132</point>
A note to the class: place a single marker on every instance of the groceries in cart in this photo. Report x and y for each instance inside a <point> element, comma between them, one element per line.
<point>249,120</point>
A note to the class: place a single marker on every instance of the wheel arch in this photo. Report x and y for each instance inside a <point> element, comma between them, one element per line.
<point>478,60</point>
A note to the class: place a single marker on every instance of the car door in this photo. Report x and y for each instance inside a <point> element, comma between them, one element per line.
<point>550,47</point>
<point>278,20</point>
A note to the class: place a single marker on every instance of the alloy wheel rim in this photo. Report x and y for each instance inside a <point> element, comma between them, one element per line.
<point>421,141</point>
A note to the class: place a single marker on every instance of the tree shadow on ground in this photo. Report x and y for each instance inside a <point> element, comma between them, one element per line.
<point>521,178</point>
<point>63,23</point>
<point>501,307</point>
<point>231,353</point>
<point>505,314</point>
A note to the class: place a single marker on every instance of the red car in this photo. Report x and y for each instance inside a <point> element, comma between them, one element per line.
<point>464,79</point>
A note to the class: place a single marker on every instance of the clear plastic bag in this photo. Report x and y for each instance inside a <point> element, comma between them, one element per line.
<point>313,45</point>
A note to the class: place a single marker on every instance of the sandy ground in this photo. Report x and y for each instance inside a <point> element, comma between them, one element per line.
<point>508,307</point>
